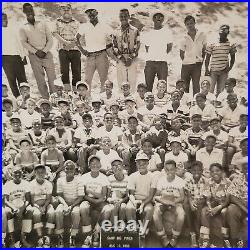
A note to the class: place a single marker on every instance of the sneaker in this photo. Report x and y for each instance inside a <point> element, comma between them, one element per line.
<point>60,242</point>
<point>72,241</point>
<point>87,242</point>
<point>240,244</point>
<point>194,243</point>
<point>164,241</point>
<point>226,244</point>
<point>40,243</point>
<point>173,242</point>
<point>46,241</point>
<point>95,242</point>
<point>17,244</point>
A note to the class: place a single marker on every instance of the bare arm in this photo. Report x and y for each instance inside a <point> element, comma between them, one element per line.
<point>182,54</point>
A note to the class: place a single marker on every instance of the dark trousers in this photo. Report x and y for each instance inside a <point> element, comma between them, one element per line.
<point>66,58</point>
<point>155,68</point>
<point>14,69</point>
<point>191,71</point>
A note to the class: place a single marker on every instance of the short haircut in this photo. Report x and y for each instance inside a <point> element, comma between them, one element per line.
<point>231,81</point>
<point>27,5</point>
<point>161,81</point>
<point>39,166</point>
<point>197,164</point>
<point>188,18</point>
<point>217,165</point>
<point>172,162</point>
<point>141,85</point>
<point>50,138</point>
<point>107,113</point>
<point>24,140</point>
<point>144,140</point>
<point>124,10</point>
<point>132,117</point>
<point>109,82</point>
<point>69,162</point>
<point>4,14</point>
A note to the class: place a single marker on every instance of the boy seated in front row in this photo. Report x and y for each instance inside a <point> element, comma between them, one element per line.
<point>141,193</point>
<point>169,197</point>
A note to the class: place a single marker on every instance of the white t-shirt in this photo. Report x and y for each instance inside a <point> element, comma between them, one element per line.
<point>149,115</point>
<point>221,138</point>
<point>237,135</point>
<point>179,159</point>
<point>93,186</point>
<point>96,37</point>
<point>141,184</point>
<point>106,160</point>
<point>113,134</point>
<point>71,190</point>
<point>40,191</point>
<point>16,192</point>
<point>157,40</point>
<point>27,119</point>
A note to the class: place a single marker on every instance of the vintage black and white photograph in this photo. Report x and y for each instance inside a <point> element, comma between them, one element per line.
<point>124,124</point>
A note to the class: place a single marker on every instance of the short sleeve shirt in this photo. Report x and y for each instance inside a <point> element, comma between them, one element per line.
<point>40,191</point>
<point>118,188</point>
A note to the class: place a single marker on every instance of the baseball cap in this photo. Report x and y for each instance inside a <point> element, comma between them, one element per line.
<point>82,84</point>
<point>16,168</point>
<point>141,156</point>
<point>147,94</point>
<point>96,99</point>
<point>211,135</point>
<point>196,116</point>
<point>24,84</point>
<point>39,166</point>
<point>125,84</point>
<point>158,13</point>
<point>7,100</point>
<point>224,28</point>
<point>24,139</point>
<point>129,98</point>
<point>63,101</point>
<point>114,103</point>
<point>175,139</point>
<point>215,119</point>
<point>44,101</point>
<point>93,157</point>
<point>132,116</point>
<point>86,115</point>
<point>116,159</point>
<point>15,117</point>
<point>201,95</point>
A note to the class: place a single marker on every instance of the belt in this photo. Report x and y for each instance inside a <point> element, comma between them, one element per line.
<point>96,52</point>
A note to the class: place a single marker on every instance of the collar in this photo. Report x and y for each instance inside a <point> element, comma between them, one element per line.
<point>198,33</point>
<point>60,19</point>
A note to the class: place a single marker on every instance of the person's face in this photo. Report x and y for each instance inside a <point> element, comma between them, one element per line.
<point>59,123</point>
<point>200,101</point>
<point>229,87</point>
<point>87,122</point>
<point>210,143</point>
<point>96,106</point>
<point>244,169</point>
<point>30,14</point>
<point>170,170</point>
<point>126,89</point>
<point>63,107</point>
<point>93,16</point>
<point>158,124</point>
<point>147,148</point>
<point>196,171</point>
<point>40,174</point>
<point>17,175</point>
<point>223,33</point>
<point>59,89</point>
<point>8,107</point>
<point>114,109</point>
<point>82,90</point>
<point>142,166</point>
<point>141,91</point>
<point>70,170</point>
<point>176,124</point>
<point>132,124</point>
<point>31,106</point>
<point>108,88</point>
<point>25,146</point>
<point>175,97</point>
<point>180,86</point>
<point>244,121</point>
<point>158,19</point>
<point>216,173</point>
<point>205,87</point>
<point>175,147</point>
<point>95,165</point>
<point>190,25</point>
<point>149,100</point>
<point>108,120</point>
<point>4,21</point>
<point>16,125</point>
<point>117,167</point>
<point>161,88</point>
<point>25,91</point>
<point>196,122</point>
<point>130,106</point>
<point>79,108</point>
<point>244,146</point>
<point>232,101</point>
<point>124,17</point>
<point>45,108</point>
<point>66,12</point>
<point>117,122</point>
<point>215,125</point>
<point>37,126</point>
<point>5,91</point>
<point>106,143</point>
<point>51,144</point>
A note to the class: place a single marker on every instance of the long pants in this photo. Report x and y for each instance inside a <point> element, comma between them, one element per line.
<point>127,74</point>
<point>75,218</point>
<point>219,78</point>
<point>97,62</point>
<point>15,72</point>
<point>235,216</point>
<point>70,58</point>
<point>155,68</point>
<point>40,67</point>
<point>191,71</point>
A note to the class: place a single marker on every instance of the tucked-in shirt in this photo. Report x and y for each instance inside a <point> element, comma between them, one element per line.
<point>193,48</point>
<point>96,37</point>
<point>126,42</point>
<point>71,189</point>
<point>36,37</point>
<point>219,53</point>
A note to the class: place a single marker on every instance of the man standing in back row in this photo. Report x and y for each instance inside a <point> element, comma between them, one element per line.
<point>192,53</point>
<point>37,39</point>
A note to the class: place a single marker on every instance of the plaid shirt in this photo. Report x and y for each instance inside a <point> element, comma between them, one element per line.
<point>239,188</point>
<point>67,30</point>
<point>196,190</point>
<point>126,42</point>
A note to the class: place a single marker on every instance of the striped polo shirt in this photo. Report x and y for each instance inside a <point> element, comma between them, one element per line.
<point>219,52</point>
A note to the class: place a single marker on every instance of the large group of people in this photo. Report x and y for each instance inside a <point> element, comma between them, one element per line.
<point>131,155</point>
